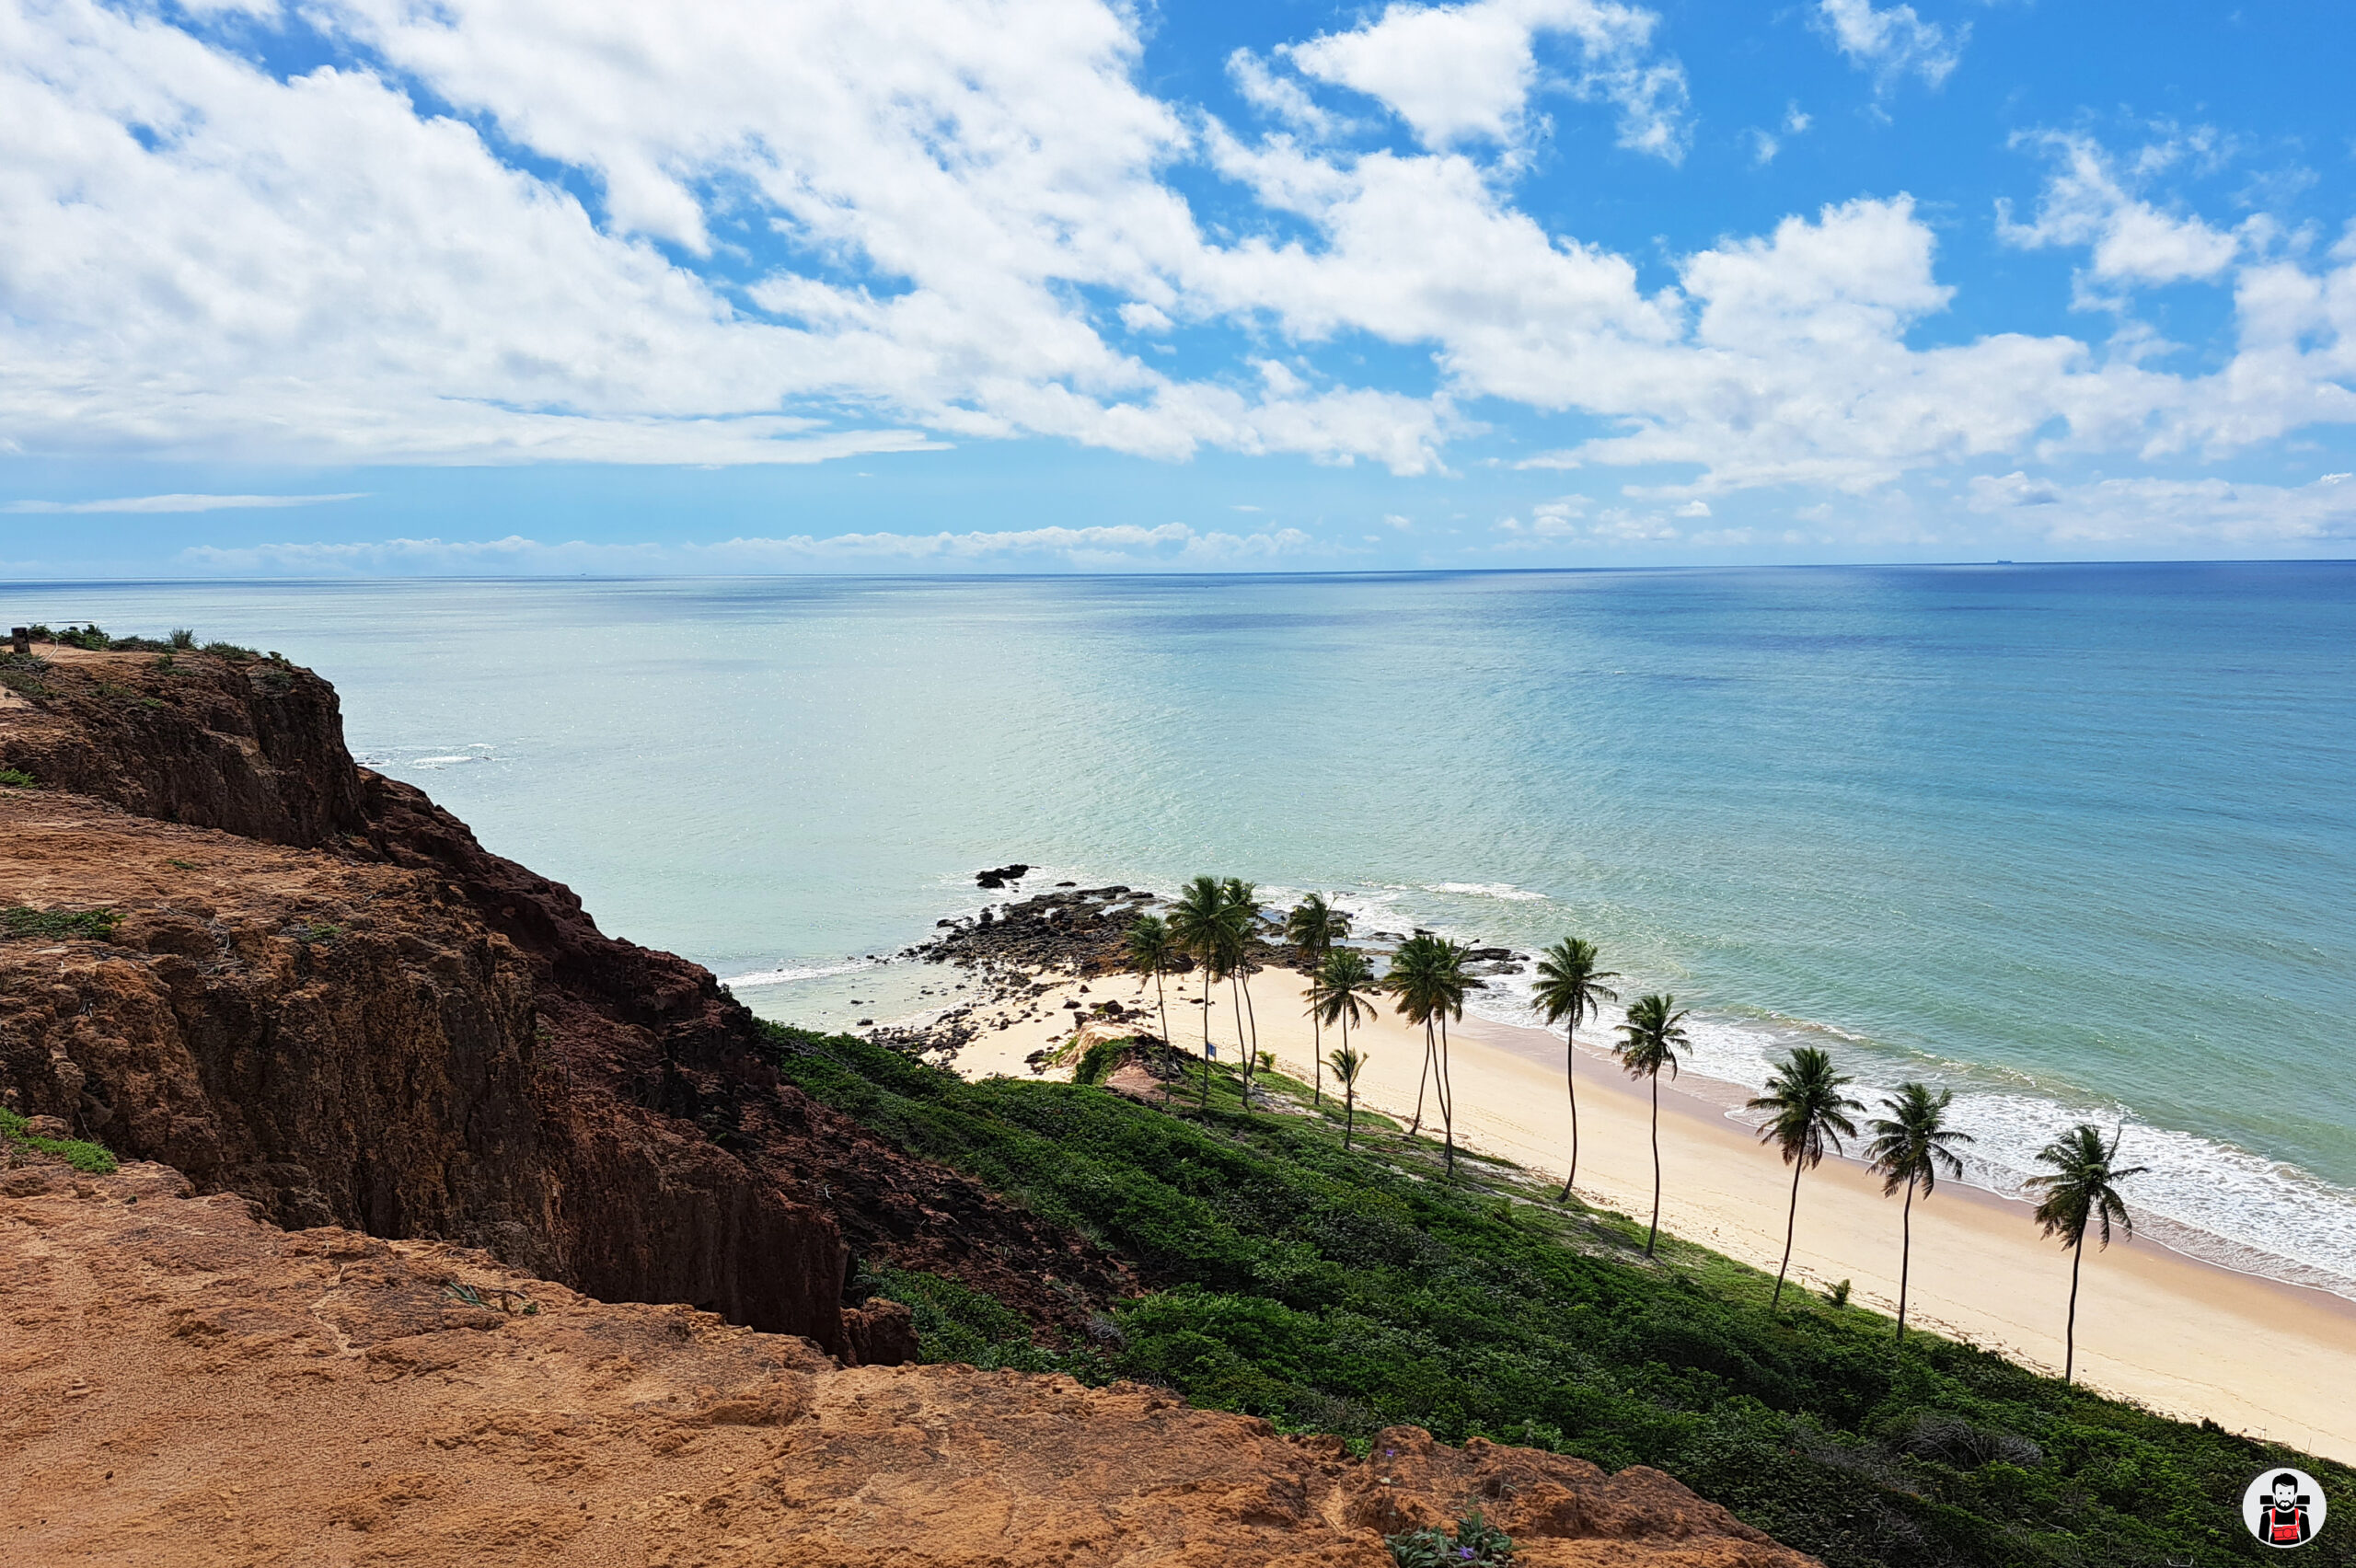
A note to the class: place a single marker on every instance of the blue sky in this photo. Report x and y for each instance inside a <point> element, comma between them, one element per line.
<point>521,285</point>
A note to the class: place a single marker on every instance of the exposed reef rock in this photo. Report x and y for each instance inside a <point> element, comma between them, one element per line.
<point>183,1386</point>
<point>319,992</point>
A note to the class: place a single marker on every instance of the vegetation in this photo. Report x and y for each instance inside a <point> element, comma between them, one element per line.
<point>1650,1041</point>
<point>1571,987</point>
<point>1152,951</point>
<point>1428,979</point>
<point>1912,1144</point>
<point>2081,1188</point>
<point>1477,1544</point>
<point>89,1158</point>
<point>1347,1064</point>
<point>231,652</point>
<point>23,920</point>
<point>17,778</point>
<point>1343,991</point>
<point>1242,902</point>
<point>1806,1115</point>
<point>1342,1291</point>
<point>1202,924</point>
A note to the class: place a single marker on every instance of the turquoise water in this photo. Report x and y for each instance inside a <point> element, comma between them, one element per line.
<point>2079,840</point>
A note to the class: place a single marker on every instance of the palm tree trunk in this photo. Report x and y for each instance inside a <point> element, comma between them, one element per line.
<point>1317,1057</point>
<point>1570,1081</point>
<point>1791,1227</point>
<point>1905,1254</point>
<point>1447,1101</point>
<point>1236,997</point>
<point>1349,1113</point>
<point>1207,1035</point>
<point>1162,1005</point>
<point>2069,1332</point>
<point>1655,1236</point>
<point>1417,1124</point>
<point>1255,1018</point>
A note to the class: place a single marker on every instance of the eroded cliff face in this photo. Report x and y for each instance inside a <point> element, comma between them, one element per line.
<point>324,995</point>
<point>182,1386</point>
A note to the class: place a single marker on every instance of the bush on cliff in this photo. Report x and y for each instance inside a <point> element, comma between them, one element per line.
<point>1342,1292</point>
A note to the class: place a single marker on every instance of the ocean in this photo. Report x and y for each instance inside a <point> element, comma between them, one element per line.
<point>2079,841</point>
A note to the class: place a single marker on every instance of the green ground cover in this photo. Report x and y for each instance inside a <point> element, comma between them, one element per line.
<point>1341,1292</point>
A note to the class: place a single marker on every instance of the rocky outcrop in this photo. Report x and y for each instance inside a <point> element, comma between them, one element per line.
<point>321,993</point>
<point>183,1386</point>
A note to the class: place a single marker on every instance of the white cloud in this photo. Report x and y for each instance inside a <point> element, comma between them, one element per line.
<point>1465,72</point>
<point>2191,513</point>
<point>1170,545</point>
<point>2087,201</point>
<point>1893,42</point>
<point>152,503</point>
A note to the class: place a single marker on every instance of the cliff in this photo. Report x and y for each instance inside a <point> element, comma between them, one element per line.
<point>186,1386</point>
<point>319,992</point>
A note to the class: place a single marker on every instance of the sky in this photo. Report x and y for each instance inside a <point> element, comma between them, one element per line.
<point>470,287</point>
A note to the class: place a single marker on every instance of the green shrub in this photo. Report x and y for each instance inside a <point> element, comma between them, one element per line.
<point>22,920</point>
<point>89,638</point>
<point>91,1159</point>
<point>1345,1292</point>
<point>231,652</point>
<point>17,778</point>
<point>1477,1544</point>
<point>183,637</point>
<point>1097,1062</point>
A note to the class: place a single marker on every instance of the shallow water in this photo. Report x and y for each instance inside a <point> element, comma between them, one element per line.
<point>2079,840</point>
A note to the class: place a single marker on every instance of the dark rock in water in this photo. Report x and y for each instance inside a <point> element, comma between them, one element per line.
<point>1066,884</point>
<point>1002,875</point>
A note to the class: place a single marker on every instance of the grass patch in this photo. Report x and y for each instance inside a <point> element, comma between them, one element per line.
<point>22,920</point>
<point>17,779</point>
<point>1343,1292</point>
<point>89,1158</point>
<point>231,652</point>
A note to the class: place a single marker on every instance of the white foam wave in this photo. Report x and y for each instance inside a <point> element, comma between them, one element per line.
<point>784,976</point>
<point>1505,892</point>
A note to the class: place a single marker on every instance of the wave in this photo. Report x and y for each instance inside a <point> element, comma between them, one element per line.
<point>784,976</point>
<point>1505,892</point>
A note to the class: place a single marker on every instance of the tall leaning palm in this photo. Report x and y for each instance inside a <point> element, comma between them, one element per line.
<point>1313,926</point>
<point>1242,904</point>
<point>1649,1040</point>
<point>1910,1146</point>
<point>2082,1191</point>
<point>1570,988</point>
<point>1152,951</point>
<point>1807,1114</point>
<point>1198,925</point>
<point>1344,992</point>
<point>1412,980</point>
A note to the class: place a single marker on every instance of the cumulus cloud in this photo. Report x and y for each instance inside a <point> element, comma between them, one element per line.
<point>2088,201</point>
<point>154,504</point>
<point>2196,514</point>
<point>1463,73</point>
<point>522,230</point>
<point>1892,41</point>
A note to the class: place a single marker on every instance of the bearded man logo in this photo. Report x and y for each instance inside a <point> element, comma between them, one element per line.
<point>2283,1508</point>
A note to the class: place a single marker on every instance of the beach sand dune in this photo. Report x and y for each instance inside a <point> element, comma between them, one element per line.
<point>2174,1332</point>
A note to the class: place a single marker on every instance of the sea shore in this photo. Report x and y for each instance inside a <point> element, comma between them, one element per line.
<point>2172,1332</point>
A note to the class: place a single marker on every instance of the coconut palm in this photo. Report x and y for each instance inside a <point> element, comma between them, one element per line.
<point>1198,925</point>
<point>1806,1115</point>
<point>1650,1040</point>
<point>1242,901</point>
<point>1152,951</point>
<point>1343,991</point>
<point>1570,988</point>
<point>1313,926</point>
<point>2082,1190</point>
<point>1910,1145</point>
<point>1429,982</point>
<point>1347,1064</point>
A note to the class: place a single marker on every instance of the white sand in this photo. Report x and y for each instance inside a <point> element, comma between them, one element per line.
<point>2174,1332</point>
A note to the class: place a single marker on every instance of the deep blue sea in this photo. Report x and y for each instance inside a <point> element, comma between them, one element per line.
<point>2078,840</point>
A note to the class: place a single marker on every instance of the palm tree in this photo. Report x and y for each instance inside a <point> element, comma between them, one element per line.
<point>1242,905</point>
<point>1808,1115</point>
<point>1344,990</point>
<point>1313,926</point>
<point>1152,951</point>
<point>1198,925</point>
<point>2083,1190</point>
<point>1571,987</point>
<point>1428,979</point>
<point>1651,1040</point>
<point>1346,1063</point>
<point>1911,1145</point>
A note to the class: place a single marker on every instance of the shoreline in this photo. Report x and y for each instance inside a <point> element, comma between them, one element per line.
<point>2180,1334</point>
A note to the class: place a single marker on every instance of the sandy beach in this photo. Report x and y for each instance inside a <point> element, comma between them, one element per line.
<point>2172,1332</point>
